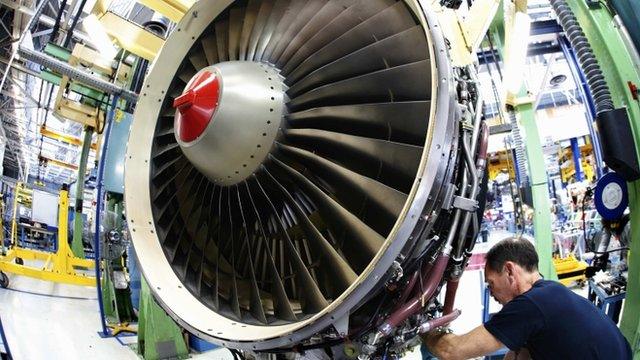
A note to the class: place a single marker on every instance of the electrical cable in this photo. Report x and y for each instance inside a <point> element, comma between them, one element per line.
<point>612,250</point>
<point>74,23</point>
<point>587,195</point>
<point>494,88</point>
<point>56,25</point>
<point>493,55</point>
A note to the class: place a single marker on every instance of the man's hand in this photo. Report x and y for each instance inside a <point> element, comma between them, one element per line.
<point>522,354</point>
<point>476,343</point>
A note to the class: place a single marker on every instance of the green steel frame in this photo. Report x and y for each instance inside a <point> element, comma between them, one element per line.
<point>118,308</point>
<point>617,65</point>
<point>158,335</point>
<point>540,191</point>
<point>76,244</point>
<point>537,171</point>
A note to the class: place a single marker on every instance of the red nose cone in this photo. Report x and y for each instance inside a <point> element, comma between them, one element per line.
<point>196,106</point>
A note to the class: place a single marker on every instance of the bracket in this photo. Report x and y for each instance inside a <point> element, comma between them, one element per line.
<point>342,325</point>
<point>465,204</point>
<point>447,202</point>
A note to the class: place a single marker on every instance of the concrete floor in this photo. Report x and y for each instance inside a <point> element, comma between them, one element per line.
<point>44,320</point>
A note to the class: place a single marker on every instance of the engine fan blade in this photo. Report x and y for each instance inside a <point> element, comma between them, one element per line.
<point>404,122</point>
<point>393,51</point>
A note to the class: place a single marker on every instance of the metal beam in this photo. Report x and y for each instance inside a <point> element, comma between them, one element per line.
<point>131,36</point>
<point>23,34</point>
<point>45,20</point>
<point>75,74</point>
<point>56,162</point>
<point>172,9</point>
<point>545,27</point>
<point>536,49</point>
<point>66,138</point>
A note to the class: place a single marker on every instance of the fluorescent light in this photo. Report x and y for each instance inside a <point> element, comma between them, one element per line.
<point>516,57</point>
<point>99,36</point>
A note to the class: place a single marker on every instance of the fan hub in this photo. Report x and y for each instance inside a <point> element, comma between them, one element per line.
<point>196,105</point>
<point>228,117</point>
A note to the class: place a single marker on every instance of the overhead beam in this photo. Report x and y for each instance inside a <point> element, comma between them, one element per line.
<point>66,138</point>
<point>174,10</point>
<point>50,161</point>
<point>44,19</point>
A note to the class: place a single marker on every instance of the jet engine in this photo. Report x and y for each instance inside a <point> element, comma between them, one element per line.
<point>305,174</point>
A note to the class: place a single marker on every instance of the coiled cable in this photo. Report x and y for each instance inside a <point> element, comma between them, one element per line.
<point>587,60</point>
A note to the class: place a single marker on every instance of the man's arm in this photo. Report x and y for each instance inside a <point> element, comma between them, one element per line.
<point>522,354</point>
<point>475,343</point>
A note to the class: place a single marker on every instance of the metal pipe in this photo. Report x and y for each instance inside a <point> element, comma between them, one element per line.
<point>75,74</point>
<point>30,24</point>
<point>450,295</point>
<point>437,322</point>
<point>407,289</point>
<point>545,80</point>
<point>414,305</point>
<point>453,281</point>
<point>471,167</point>
<point>478,112</point>
<point>458,212</point>
<point>481,164</point>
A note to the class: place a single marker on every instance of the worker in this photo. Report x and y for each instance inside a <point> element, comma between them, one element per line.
<point>540,319</point>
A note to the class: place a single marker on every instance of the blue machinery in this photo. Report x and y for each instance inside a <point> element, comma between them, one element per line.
<point>96,244</point>
<point>3,339</point>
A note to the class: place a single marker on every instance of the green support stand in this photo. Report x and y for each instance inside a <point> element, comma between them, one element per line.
<point>158,335</point>
<point>109,297</point>
<point>537,169</point>
<point>618,68</point>
<point>539,190</point>
<point>76,244</point>
<point>118,308</point>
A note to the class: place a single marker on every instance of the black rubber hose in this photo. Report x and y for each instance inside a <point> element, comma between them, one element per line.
<point>74,23</point>
<point>56,26</point>
<point>587,60</point>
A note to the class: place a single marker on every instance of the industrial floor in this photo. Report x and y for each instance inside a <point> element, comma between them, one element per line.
<point>44,320</point>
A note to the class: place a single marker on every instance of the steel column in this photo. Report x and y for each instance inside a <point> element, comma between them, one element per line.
<point>575,154</point>
<point>539,190</point>
<point>76,244</point>
<point>537,173</point>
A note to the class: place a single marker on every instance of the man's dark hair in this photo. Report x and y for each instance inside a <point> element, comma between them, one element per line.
<point>518,250</point>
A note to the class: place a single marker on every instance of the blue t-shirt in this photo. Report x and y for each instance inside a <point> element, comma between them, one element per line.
<point>552,322</point>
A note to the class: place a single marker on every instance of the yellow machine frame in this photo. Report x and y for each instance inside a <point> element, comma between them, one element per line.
<point>59,266</point>
<point>569,269</point>
<point>23,196</point>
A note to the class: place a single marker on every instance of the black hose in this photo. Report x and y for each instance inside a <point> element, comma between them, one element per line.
<point>587,60</point>
<point>74,23</point>
<point>56,26</point>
